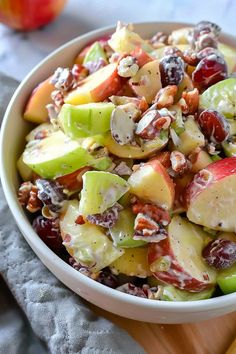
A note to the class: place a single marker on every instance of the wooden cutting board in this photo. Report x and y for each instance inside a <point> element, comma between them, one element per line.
<point>209,337</point>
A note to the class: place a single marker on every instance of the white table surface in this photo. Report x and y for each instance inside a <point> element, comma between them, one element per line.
<point>20,52</point>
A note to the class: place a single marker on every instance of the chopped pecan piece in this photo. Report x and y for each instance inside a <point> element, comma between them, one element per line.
<point>128,67</point>
<point>79,71</point>
<point>179,162</point>
<point>58,98</point>
<point>165,97</point>
<point>24,193</point>
<point>28,197</point>
<point>192,100</point>
<point>154,212</point>
<point>147,229</point>
<point>160,38</point>
<point>63,79</point>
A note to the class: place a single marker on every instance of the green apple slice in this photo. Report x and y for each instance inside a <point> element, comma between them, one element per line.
<point>227,280</point>
<point>95,53</point>
<point>58,155</point>
<point>88,244</point>
<point>100,191</point>
<point>229,148</point>
<point>25,172</point>
<point>221,97</point>
<point>170,293</point>
<point>86,119</point>
<point>123,231</point>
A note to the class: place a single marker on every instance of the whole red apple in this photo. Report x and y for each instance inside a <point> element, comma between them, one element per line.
<point>29,15</point>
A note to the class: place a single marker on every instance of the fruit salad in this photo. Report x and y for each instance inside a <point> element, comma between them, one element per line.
<point>129,174</point>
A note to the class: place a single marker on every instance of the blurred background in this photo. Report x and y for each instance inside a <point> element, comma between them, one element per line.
<point>21,51</point>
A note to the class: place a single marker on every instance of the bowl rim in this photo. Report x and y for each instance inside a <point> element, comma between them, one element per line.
<point>28,232</point>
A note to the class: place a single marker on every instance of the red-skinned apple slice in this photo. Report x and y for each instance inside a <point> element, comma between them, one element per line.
<point>96,87</point>
<point>35,110</point>
<point>211,196</point>
<point>152,182</point>
<point>177,260</point>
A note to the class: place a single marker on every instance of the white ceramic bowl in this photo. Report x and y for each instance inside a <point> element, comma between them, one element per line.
<point>13,131</point>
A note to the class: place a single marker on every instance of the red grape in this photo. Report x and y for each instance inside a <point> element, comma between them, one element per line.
<point>220,253</point>
<point>49,231</point>
<point>209,71</point>
<point>213,125</point>
<point>172,70</point>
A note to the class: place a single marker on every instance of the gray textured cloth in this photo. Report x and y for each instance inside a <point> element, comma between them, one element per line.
<point>50,318</point>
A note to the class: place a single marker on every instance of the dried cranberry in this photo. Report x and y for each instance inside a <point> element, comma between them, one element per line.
<point>213,125</point>
<point>51,194</point>
<point>131,289</point>
<point>220,253</point>
<point>209,71</point>
<point>49,231</point>
<point>106,278</point>
<point>106,219</point>
<point>172,70</point>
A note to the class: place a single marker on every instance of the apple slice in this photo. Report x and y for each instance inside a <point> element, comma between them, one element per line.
<point>40,132</point>
<point>133,262</point>
<point>177,260</point>
<point>128,151</point>
<point>87,244</point>
<point>191,138</point>
<point>170,293</point>
<point>94,53</point>
<point>86,119</point>
<point>25,172</point>
<point>124,40</point>
<point>152,182</point>
<point>58,155</point>
<point>96,87</point>
<point>147,81</point>
<point>221,97</point>
<point>101,190</point>
<point>211,196</point>
<point>35,110</point>
<point>226,280</point>
<point>199,159</point>
<point>229,54</point>
<point>123,231</point>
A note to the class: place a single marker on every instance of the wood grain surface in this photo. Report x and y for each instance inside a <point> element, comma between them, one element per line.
<point>209,337</point>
